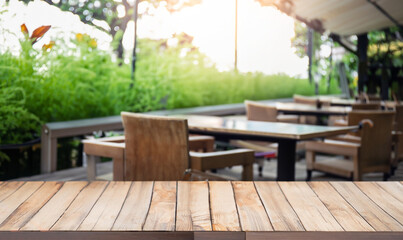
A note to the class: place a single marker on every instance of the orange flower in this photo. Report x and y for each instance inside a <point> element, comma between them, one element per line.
<point>37,34</point>
<point>45,47</point>
<point>24,29</point>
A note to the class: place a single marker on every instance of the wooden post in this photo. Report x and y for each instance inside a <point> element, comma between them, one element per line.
<point>48,151</point>
<point>362,47</point>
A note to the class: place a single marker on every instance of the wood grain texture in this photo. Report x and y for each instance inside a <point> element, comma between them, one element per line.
<point>345,215</point>
<point>193,212</point>
<point>161,216</point>
<point>252,214</point>
<point>105,211</point>
<point>55,207</point>
<point>383,199</point>
<point>281,214</point>
<point>393,188</point>
<point>135,208</point>
<point>31,206</point>
<point>211,125</point>
<point>224,215</point>
<point>96,235</point>
<point>310,210</point>
<point>11,203</point>
<point>156,147</point>
<point>9,188</point>
<point>238,210</point>
<point>373,214</point>
<point>80,207</point>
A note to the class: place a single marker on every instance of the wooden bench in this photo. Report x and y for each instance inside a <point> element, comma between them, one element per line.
<point>52,131</point>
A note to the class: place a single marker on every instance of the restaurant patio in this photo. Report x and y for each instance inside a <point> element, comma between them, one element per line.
<point>163,142</point>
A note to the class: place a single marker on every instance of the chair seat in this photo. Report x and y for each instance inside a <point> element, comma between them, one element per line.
<point>257,146</point>
<point>346,138</point>
<point>333,147</point>
<point>336,166</point>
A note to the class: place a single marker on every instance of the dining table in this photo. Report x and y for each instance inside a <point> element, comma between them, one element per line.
<point>200,210</point>
<point>308,109</point>
<point>285,134</point>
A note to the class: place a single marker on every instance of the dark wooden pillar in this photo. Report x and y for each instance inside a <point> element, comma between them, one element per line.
<point>362,47</point>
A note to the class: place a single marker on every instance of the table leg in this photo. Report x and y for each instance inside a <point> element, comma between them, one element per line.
<point>286,160</point>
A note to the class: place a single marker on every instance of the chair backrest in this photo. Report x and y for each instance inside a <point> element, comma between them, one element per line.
<point>303,99</point>
<point>375,151</point>
<point>399,118</point>
<point>367,98</point>
<point>156,147</point>
<point>366,106</point>
<point>256,111</point>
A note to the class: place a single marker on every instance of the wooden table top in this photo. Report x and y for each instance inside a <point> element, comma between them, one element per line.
<point>237,207</point>
<point>300,108</point>
<point>269,129</point>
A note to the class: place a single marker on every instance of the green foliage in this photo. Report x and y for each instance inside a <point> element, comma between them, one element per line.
<point>14,118</point>
<point>79,82</point>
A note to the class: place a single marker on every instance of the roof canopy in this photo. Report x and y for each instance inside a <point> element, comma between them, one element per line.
<point>343,17</point>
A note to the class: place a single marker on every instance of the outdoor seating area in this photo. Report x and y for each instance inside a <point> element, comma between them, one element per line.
<point>201,119</point>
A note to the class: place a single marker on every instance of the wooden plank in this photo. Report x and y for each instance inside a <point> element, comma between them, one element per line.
<point>9,188</point>
<point>193,209</point>
<point>161,216</point>
<point>383,199</point>
<point>323,235</point>
<point>310,210</point>
<point>345,215</point>
<point>393,188</point>
<point>11,203</point>
<point>80,207</point>
<point>96,235</point>
<point>31,206</point>
<point>135,208</point>
<point>224,215</point>
<point>281,214</point>
<point>55,207</point>
<point>219,235</point>
<point>374,215</point>
<point>252,214</point>
<point>104,213</point>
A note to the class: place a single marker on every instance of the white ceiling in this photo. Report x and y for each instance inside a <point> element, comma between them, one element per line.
<point>342,17</point>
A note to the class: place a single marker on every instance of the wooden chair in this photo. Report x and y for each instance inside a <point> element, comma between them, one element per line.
<point>397,136</point>
<point>309,101</point>
<point>357,106</point>
<point>257,111</point>
<point>367,98</point>
<point>369,154</point>
<point>366,106</point>
<point>157,148</point>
